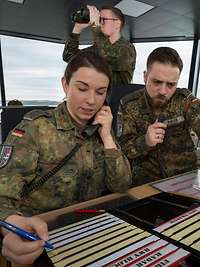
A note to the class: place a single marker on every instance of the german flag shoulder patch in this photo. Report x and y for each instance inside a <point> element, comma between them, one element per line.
<point>18,132</point>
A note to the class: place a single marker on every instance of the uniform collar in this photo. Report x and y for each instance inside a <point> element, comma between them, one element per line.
<point>146,106</point>
<point>119,41</point>
<point>63,118</point>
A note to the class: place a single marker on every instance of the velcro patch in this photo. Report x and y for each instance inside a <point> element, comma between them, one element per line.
<point>18,132</point>
<point>5,155</point>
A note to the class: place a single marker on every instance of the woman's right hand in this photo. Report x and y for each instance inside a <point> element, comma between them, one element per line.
<point>19,250</point>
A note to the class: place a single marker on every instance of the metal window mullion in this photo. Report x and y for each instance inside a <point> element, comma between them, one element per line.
<point>3,96</point>
<point>195,68</point>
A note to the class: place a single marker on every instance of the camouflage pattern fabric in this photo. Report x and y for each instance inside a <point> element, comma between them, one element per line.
<point>39,142</point>
<point>176,154</point>
<point>121,56</point>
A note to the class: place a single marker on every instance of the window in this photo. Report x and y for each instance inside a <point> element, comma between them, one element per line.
<point>32,70</point>
<point>184,48</point>
<point>198,87</point>
<point>197,72</point>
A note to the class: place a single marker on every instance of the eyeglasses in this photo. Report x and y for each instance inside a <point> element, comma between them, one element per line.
<point>103,20</point>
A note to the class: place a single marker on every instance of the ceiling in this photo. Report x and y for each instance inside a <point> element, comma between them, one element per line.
<point>51,20</point>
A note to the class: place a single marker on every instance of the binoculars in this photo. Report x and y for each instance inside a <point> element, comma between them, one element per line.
<point>81,16</point>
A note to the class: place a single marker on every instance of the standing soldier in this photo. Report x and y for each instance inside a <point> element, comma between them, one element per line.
<point>157,121</point>
<point>106,26</point>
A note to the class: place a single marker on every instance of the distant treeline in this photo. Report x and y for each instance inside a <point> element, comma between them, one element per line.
<point>39,102</point>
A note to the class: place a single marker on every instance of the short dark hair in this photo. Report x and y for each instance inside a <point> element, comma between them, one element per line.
<point>15,102</point>
<point>117,12</point>
<point>165,55</point>
<point>90,59</point>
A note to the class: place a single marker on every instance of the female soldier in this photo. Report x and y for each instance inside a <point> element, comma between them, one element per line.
<point>43,139</point>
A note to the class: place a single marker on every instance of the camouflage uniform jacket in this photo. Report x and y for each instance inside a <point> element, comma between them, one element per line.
<point>121,56</point>
<point>176,154</point>
<point>39,142</point>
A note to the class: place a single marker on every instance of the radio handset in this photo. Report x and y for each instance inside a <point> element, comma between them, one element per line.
<point>90,128</point>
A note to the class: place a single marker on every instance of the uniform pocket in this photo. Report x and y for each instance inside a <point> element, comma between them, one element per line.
<point>58,191</point>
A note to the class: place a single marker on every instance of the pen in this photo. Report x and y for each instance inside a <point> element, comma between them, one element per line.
<point>24,234</point>
<point>89,211</point>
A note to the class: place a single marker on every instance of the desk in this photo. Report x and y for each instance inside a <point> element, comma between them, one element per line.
<point>139,192</point>
<point>147,190</point>
<point>52,215</point>
<point>142,191</point>
<point>182,182</point>
<point>49,216</point>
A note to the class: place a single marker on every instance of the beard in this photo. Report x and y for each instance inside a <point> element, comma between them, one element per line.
<point>159,101</point>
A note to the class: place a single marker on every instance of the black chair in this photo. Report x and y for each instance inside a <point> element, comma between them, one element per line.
<point>119,91</point>
<point>11,116</point>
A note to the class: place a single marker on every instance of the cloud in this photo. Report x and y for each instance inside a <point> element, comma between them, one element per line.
<point>32,69</point>
<point>184,48</point>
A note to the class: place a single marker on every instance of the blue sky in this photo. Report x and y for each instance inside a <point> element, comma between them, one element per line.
<point>33,69</point>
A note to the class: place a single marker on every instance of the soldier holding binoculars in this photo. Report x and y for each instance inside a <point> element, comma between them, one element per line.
<point>106,26</point>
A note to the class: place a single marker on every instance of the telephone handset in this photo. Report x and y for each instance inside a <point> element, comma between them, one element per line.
<point>90,128</point>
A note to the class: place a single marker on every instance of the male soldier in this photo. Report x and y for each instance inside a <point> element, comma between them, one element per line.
<point>106,26</point>
<point>156,121</point>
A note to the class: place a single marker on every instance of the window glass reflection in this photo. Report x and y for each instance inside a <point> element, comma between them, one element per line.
<point>32,70</point>
<point>184,48</point>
